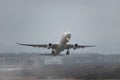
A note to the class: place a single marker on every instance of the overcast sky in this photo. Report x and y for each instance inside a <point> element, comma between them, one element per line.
<point>95,22</point>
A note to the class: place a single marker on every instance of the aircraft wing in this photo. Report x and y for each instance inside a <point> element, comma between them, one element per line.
<point>76,46</point>
<point>39,45</point>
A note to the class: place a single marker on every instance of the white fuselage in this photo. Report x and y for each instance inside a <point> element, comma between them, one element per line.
<point>63,42</point>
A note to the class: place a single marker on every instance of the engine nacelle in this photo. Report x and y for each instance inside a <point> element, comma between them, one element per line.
<point>75,46</point>
<point>49,45</point>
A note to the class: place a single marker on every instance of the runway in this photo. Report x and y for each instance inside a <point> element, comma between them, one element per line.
<point>75,67</point>
<point>33,78</point>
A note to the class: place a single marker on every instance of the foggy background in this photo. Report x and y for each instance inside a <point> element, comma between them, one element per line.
<point>95,22</point>
<point>31,66</point>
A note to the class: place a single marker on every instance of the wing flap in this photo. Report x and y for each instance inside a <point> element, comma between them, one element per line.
<point>69,46</point>
<point>54,46</point>
<point>34,45</point>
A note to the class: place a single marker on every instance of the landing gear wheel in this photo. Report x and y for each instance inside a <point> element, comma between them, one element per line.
<point>68,52</point>
<point>53,52</point>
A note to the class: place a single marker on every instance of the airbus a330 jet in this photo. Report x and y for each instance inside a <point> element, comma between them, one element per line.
<point>60,46</point>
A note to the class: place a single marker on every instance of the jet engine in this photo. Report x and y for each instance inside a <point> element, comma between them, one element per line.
<point>49,45</point>
<point>75,46</point>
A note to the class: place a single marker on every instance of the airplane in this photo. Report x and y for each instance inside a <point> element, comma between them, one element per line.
<point>60,46</point>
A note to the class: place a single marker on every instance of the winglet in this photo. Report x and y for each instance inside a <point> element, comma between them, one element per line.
<point>18,43</point>
<point>92,46</point>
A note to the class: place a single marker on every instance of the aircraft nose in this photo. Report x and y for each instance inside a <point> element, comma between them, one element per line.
<point>69,35</point>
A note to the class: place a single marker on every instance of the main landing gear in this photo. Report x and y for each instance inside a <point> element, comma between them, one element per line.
<point>53,52</point>
<point>68,52</point>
